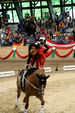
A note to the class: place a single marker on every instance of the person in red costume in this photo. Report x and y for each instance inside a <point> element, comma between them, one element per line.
<point>37,54</point>
<point>39,58</point>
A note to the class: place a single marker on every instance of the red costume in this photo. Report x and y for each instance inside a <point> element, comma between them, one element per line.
<point>40,60</point>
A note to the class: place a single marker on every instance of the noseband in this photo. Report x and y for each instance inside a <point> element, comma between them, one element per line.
<point>41,87</point>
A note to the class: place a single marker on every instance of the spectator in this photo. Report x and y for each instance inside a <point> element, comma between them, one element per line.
<point>42,29</point>
<point>42,36</point>
<point>70,23</point>
<point>31,39</point>
<point>37,29</point>
<point>39,22</point>
<point>62,38</point>
<point>2,38</point>
<point>19,27</point>
<point>37,37</point>
<point>61,26</point>
<point>42,21</point>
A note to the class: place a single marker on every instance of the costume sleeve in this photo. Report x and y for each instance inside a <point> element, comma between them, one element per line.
<point>46,48</point>
<point>35,57</point>
<point>40,52</point>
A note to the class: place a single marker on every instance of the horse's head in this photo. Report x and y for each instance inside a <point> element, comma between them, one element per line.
<point>42,82</point>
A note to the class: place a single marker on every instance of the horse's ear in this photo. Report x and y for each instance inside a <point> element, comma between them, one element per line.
<point>47,76</point>
<point>38,75</point>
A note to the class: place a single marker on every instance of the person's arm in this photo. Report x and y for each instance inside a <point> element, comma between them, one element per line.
<point>35,57</point>
<point>29,58</point>
<point>28,61</point>
<point>46,48</point>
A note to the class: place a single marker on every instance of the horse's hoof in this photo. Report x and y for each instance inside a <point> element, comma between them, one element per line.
<point>22,109</point>
<point>16,106</point>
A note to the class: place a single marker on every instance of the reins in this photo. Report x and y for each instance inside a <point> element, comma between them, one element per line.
<point>31,84</point>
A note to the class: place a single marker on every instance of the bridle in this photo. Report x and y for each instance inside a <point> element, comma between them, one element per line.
<point>41,91</point>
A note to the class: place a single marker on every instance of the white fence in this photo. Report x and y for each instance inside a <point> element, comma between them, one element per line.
<point>7,73</point>
<point>70,67</point>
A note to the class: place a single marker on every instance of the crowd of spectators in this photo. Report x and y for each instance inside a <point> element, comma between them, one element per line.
<point>51,29</point>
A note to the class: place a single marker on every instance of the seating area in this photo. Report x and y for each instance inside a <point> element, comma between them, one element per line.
<point>59,33</point>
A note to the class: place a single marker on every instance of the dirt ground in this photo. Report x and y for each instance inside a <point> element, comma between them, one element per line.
<point>59,93</point>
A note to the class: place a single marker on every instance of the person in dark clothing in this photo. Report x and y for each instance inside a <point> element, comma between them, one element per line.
<point>43,44</point>
<point>32,52</point>
<point>74,33</point>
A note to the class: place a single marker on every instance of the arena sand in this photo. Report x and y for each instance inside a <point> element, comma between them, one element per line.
<point>59,94</point>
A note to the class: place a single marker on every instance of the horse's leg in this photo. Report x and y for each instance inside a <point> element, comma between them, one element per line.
<point>18,95</point>
<point>23,105</point>
<point>42,104</point>
<point>27,103</point>
<point>25,100</point>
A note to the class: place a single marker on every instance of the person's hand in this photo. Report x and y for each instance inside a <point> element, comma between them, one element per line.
<point>28,66</point>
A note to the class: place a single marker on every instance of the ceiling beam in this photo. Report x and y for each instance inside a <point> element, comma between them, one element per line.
<point>11,1</point>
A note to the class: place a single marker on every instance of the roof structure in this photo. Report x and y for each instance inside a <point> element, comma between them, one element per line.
<point>11,1</point>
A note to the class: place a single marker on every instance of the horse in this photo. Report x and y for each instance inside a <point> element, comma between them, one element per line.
<point>35,83</point>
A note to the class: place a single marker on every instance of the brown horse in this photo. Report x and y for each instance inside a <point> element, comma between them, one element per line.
<point>35,84</point>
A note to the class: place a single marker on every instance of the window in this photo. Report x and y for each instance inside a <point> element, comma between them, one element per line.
<point>74,11</point>
<point>57,2</point>
<point>73,1</point>
<point>37,13</point>
<point>26,12</point>
<point>68,2</point>
<point>57,10</point>
<point>12,5</point>
<point>36,4</point>
<point>45,13</point>
<point>26,4</point>
<point>15,16</point>
<point>44,3</point>
<point>0,14</point>
<point>0,6</point>
<point>10,17</point>
<point>8,5</point>
<point>4,6</point>
<point>69,11</point>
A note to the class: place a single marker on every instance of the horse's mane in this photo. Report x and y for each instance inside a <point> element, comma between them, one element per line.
<point>41,70</point>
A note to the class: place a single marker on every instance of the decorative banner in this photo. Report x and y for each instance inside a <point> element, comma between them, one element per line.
<point>3,58</point>
<point>53,52</point>
<point>74,51</point>
<point>13,54</point>
<point>17,43</point>
<point>62,56</point>
<point>21,55</point>
<point>59,46</point>
<point>14,49</point>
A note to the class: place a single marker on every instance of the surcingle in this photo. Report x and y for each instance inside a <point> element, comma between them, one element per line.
<point>23,75</point>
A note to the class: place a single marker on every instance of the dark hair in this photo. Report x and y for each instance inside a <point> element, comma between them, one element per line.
<point>42,42</point>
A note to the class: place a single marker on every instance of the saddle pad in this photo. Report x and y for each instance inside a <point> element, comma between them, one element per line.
<point>21,72</point>
<point>22,80</point>
<point>30,71</point>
